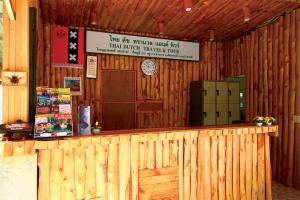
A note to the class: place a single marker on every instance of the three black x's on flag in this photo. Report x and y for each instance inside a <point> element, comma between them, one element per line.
<point>67,47</point>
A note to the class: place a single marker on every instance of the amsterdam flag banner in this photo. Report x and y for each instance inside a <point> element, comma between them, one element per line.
<point>67,47</point>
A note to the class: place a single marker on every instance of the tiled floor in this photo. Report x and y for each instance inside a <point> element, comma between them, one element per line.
<point>281,192</point>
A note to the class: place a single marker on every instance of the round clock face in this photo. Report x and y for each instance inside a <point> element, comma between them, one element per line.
<point>148,67</point>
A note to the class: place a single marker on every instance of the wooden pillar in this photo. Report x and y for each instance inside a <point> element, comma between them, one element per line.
<point>297,105</point>
<point>16,58</point>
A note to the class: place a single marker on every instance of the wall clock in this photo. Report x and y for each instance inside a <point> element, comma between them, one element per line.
<point>148,67</point>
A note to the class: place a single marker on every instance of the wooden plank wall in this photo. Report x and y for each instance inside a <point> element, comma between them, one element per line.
<point>228,163</point>
<point>269,57</point>
<point>16,58</point>
<point>170,84</point>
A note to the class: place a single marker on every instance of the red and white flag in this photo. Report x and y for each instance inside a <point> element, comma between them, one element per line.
<point>67,47</point>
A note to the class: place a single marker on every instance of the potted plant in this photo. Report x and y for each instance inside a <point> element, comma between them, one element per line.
<point>96,128</point>
<point>269,120</point>
<point>259,120</point>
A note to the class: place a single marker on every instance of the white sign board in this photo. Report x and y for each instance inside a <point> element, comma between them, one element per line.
<point>118,44</point>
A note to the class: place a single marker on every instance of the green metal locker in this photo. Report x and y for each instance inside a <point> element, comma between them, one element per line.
<point>222,114</point>
<point>214,102</point>
<point>222,92</point>
<point>209,114</point>
<point>234,92</point>
<point>209,94</point>
<point>234,112</point>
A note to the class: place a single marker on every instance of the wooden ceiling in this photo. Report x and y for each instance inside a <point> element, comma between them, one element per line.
<point>142,16</point>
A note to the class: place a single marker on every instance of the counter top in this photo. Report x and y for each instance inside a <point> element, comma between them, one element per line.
<point>198,128</point>
<point>154,133</point>
<point>231,129</point>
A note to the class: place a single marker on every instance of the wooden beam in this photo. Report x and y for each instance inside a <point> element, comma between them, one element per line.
<point>10,10</point>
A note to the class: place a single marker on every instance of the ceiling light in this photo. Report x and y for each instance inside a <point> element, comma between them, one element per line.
<point>188,5</point>
<point>93,18</point>
<point>211,35</point>
<point>246,12</point>
<point>161,27</point>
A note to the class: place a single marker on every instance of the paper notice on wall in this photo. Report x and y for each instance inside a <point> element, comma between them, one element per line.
<point>91,67</point>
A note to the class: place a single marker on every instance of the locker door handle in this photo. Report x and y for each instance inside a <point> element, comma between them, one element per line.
<point>229,113</point>
<point>205,93</point>
<point>229,92</point>
<point>217,92</point>
<point>218,114</point>
<point>205,114</point>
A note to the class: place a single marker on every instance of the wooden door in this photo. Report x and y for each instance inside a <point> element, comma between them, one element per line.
<point>118,99</point>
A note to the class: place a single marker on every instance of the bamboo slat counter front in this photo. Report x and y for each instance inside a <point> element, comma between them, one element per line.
<point>228,162</point>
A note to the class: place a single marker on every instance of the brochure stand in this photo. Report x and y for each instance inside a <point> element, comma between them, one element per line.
<point>53,113</point>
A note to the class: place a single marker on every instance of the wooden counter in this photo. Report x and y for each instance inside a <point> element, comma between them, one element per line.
<point>228,162</point>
